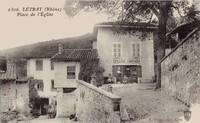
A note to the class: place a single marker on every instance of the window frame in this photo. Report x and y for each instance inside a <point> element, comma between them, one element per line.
<point>117,50</point>
<point>37,68</point>
<point>71,72</point>
<point>40,86</point>
<point>53,85</point>
<point>136,50</point>
<point>52,65</point>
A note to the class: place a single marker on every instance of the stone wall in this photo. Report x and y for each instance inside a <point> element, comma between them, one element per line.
<point>95,105</point>
<point>15,96</point>
<point>8,95</point>
<point>22,99</point>
<point>181,70</point>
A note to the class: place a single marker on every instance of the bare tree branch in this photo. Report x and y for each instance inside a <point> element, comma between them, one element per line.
<point>155,11</point>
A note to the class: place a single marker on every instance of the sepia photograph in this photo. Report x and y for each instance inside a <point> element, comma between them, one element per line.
<point>100,61</point>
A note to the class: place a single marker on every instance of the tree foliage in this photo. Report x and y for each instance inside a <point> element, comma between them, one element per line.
<point>140,11</point>
<point>91,67</point>
<point>34,98</point>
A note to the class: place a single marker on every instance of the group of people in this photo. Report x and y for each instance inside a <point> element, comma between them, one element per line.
<point>117,79</point>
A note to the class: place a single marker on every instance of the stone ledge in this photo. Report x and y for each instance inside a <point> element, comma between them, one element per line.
<point>103,92</point>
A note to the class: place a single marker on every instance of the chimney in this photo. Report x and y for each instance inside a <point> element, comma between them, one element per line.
<point>60,48</point>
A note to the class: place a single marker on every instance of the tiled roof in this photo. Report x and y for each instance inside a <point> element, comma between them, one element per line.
<point>76,55</point>
<point>10,73</point>
<point>41,54</point>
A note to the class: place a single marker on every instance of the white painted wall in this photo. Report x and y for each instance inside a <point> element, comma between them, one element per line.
<point>65,103</point>
<point>46,75</point>
<point>60,69</point>
<point>105,39</point>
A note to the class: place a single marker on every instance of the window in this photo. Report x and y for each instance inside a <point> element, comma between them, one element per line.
<point>71,74</point>
<point>52,85</point>
<point>117,50</point>
<point>40,85</point>
<point>39,65</point>
<point>135,50</point>
<point>52,65</point>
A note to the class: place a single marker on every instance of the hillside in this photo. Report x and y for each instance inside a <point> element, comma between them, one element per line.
<point>79,42</point>
<point>15,55</point>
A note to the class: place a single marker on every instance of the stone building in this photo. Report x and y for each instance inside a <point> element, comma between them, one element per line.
<point>14,93</point>
<point>123,52</point>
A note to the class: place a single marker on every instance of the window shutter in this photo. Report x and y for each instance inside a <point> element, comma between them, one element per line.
<point>42,86</point>
<point>117,50</point>
<point>133,46</point>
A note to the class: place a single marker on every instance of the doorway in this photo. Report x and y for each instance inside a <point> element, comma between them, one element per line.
<point>43,104</point>
<point>128,72</point>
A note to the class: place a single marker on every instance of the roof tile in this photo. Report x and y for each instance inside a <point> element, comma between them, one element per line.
<point>10,73</point>
<point>41,54</point>
<point>76,55</point>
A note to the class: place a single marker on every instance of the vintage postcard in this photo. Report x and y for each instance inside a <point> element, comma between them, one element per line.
<point>100,61</point>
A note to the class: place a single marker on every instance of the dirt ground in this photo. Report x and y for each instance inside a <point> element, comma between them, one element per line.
<point>143,104</point>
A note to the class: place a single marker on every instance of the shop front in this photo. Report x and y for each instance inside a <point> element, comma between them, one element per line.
<point>127,70</point>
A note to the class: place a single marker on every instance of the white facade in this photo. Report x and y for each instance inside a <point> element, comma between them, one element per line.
<point>65,100</point>
<point>61,80</point>
<point>46,74</point>
<point>105,42</point>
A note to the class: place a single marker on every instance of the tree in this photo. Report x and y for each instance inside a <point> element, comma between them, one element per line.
<point>91,67</point>
<point>136,11</point>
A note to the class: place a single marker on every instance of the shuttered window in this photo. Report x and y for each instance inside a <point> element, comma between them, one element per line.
<point>117,50</point>
<point>135,50</point>
<point>52,65</point>
<point>40,85</point>
<point>52,85</point>
<point>71,72</point>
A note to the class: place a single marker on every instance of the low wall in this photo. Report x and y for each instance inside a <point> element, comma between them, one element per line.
<point>181,70</point>
<point>95,105</point>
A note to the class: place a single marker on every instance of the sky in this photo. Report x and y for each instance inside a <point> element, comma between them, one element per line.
<point>21,30</point>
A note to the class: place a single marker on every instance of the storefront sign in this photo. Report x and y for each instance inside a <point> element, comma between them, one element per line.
<point>126,61</point>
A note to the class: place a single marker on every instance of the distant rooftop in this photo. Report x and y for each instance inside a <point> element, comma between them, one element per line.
<point>76,55</point>
<point>41,54</point>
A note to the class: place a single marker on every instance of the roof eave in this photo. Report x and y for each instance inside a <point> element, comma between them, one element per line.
<point>125,26</point>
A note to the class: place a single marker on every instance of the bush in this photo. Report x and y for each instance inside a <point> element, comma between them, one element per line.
<point>51,111</point>
<point>35,113</point>
<point>35,99</point>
